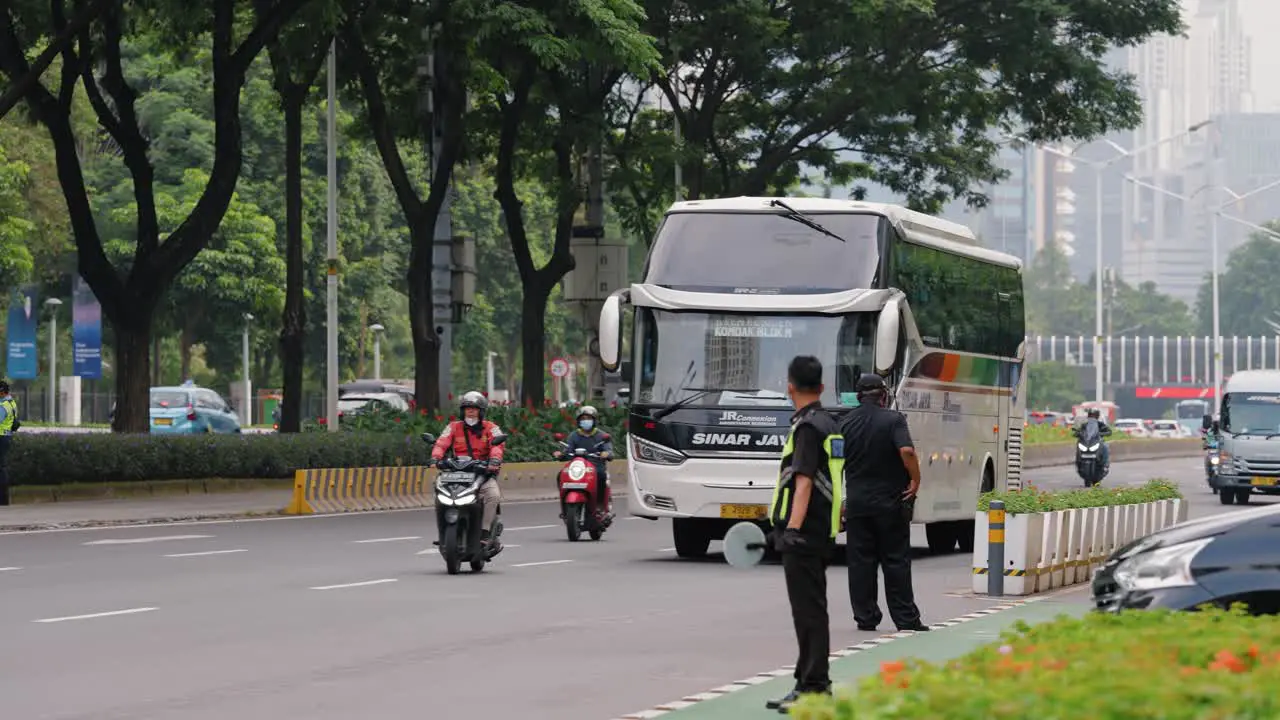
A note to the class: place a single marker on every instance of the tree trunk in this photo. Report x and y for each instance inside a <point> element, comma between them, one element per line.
<point>422,320</point>
<point>533,338</point>
<point>133,346</point>
<point>293,331</point>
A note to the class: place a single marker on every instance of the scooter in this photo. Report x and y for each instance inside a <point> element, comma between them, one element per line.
<point>580,492</point>
<point>459,510</point>
<point>1088,463</point>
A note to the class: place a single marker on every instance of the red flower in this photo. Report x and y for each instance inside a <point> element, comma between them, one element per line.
<point>396,419</point>
<point>322,421</point>
<point>546,425</point>
<point>453,418</point>
<point>450,397</point>
<point>439,418</point>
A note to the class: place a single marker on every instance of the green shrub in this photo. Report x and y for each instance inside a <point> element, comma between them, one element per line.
<point>1158,664</point>
<point>1055,434</point>
<point>54,459</point>
<point>1033,499</point>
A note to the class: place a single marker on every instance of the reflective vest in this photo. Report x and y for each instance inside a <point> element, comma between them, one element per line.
<point>10,415</point>
<point>829,482</point>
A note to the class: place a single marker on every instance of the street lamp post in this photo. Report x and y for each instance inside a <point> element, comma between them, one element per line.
<point>489,372</point>
<point>377,329</point>
<point>53,304</point>
<point>1098,167</point>
<point>246,411</point>
<point>1213,240</point>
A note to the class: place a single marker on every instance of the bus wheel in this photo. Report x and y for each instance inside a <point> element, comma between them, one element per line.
<point>691,538</point>
<point>941,536</point>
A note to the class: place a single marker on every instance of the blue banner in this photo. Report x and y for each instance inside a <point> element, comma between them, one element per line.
<point>86,331</point>
<point>21,334</point>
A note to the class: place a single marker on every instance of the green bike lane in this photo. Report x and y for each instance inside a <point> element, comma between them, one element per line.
<point>745,699</point>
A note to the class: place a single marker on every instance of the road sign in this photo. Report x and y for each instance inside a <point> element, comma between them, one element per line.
<point>559,367</point>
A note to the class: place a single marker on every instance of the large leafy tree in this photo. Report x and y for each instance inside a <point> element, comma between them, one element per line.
<point>1248,293</point>
<point>130,293</point>
<point>920,89</point>
<point>558,67</point>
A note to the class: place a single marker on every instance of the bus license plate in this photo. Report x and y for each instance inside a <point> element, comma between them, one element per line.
<point>744,512</point>
<point>1264,481</point>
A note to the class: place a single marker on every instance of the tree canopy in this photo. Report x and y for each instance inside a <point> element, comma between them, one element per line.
<point>1248,294</point>
<point>172,155</point>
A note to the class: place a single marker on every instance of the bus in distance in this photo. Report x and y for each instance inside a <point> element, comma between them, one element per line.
<point>734,288</point>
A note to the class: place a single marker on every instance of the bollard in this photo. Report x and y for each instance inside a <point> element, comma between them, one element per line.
<point>995,549</point>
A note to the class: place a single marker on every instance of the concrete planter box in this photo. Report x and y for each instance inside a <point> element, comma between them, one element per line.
<point>1049,550</point>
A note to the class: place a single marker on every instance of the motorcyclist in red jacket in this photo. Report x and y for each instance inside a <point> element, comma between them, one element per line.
<point>472,436</point>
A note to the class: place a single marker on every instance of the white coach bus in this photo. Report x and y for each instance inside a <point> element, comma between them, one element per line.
<point>734,288</point>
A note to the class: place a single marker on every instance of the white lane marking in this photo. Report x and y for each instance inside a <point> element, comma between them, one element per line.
<point>666,550</point>
<point>531,527</point>
<point>207,552</point>
<point>355,584</point>
<point>544,562</point>
<point>8,569</point>
<point>387,540</point>
<point>112,613</point>
<point>137,541</point>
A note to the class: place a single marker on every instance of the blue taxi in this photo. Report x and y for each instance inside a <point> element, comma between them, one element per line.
<point>188,409</point>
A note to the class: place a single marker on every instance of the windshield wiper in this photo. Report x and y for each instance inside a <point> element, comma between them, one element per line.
<point>697,393</point>
<point>793,214</point>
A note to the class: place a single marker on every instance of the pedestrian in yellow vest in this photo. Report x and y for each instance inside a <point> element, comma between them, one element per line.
<point>805,513</point>
<point>8,426</point>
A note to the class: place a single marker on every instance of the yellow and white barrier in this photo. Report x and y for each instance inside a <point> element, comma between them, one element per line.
<point>1045,551</point>
<point>337,490</point>
<point>334,490</point>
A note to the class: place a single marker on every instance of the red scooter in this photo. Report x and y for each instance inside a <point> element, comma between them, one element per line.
<point>581,507</point>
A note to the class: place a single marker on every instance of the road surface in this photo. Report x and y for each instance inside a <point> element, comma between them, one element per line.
<point>328,618</point>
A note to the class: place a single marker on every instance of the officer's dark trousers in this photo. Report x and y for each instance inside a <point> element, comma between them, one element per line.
<point>5,441</point>
<point>806,576</point>
<point>881,541</point>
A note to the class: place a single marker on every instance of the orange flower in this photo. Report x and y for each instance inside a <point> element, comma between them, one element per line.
<point>1189,671</point>
<point>893,666</point>
<point>1254,652</point>
<point>1226,660</point>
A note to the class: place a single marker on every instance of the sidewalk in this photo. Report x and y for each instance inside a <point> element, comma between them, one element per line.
<point>166,508</point>
<point>745,699</point>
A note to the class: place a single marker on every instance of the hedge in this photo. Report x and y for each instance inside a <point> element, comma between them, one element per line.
<point>1055,434</point>
<point>1155,664</point>
<point>387,439</point>
<point>1033,499</point>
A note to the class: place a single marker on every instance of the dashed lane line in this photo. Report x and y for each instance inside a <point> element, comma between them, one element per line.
<point>92,616</point>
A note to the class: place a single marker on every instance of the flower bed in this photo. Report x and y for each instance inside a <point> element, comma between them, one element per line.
<point>1054,539</point>
<point>1136,665</point>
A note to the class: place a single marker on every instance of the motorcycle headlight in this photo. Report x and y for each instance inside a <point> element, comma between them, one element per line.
<point>577,469</point>
<point>1082,447</point>
<point>1094,447</point>
<point>1213,461</point>
<point>1168,567</point>
<point>465,499</point>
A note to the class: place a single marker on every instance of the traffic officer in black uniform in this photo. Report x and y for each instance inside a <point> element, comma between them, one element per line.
<point>882,477</point>
<point>805,513</point>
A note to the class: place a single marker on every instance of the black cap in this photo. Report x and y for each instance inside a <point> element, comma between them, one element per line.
<point>869,382</point>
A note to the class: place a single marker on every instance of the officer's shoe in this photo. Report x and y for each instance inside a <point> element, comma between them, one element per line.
<point>784,700</point>
<point>788,702</point>
<point>917,627</point>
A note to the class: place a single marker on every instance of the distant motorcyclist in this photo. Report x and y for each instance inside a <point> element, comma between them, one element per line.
<point>1104,430</point>
<point>586,437</point>
<point>473,436</point>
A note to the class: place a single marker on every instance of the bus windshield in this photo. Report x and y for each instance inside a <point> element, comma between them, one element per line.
<point>1251,413</point>
<point>1194,410</point>
<point>724,251</point>
<point>744,358</point>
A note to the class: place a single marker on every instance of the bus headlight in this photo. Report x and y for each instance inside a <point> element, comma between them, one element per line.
<point>651,452</point>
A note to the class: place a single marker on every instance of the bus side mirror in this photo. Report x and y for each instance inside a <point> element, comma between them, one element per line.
<point>1207,422</point>
<point>887,338</point>
<point>611,332</point>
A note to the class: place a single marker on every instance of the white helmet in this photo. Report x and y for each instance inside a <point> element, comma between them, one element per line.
<point>474,399</point>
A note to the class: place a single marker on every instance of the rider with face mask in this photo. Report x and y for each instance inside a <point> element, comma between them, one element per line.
<point>587,436</point>
<point>473,436</point>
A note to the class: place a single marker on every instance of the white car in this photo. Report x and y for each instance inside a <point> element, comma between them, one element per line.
<point>1166,429</point>
<point>1132,427</point>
